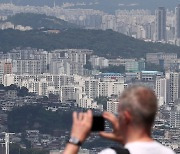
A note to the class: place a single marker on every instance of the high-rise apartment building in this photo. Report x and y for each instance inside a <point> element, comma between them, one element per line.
<point>175,118</point>
<point>149,30</point>
<point>7,68</point>
<point>91,88</point>
<point>56,67</point>
<point>135,66</point>
<point>77,55</point>
<point>177,22</point>
<point>112,106</point>
<point>68,92</point>
<point>161,90</point>
<point>163,59</point>
<point>173,86</point>
<point>177,25</point>
<point>160,24</point>
<point>99,62</point>
<point>27,67</point>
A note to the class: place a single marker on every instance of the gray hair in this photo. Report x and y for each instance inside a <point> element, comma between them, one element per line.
<point>141,102</point>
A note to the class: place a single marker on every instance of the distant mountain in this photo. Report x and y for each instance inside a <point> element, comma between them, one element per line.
<point>39,21</point>
<point>105,5</point>
<point>104,43</point>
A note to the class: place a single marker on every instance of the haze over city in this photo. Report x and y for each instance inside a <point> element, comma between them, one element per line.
<point>61,56</point>
<point>104,5</point>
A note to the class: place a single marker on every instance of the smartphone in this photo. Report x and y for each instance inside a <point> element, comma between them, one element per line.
<point>98,124</point>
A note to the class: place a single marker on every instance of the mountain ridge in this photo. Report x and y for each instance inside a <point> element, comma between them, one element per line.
<point>40,21</point>
<point>107,43</point>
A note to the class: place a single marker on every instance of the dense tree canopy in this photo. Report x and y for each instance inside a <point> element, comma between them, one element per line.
<point>102,100</point>
<point>22,92</point>
<point>39,21</point>
<point>36,117</point>
<point>107,43</point>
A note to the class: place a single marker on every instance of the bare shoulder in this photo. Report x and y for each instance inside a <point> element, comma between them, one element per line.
<point>107,151</point>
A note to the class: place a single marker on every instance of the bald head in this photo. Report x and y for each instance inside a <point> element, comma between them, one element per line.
<point>141,102</point>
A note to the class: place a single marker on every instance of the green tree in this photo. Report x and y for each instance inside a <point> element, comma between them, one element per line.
<point>38,21</point>
<point>2,86</point>
<point>23,92</point>
<point>12,87</point>
<point>88,66</point>
<point>107,43</point>
<point>36,117</point>
<point>102,100</point>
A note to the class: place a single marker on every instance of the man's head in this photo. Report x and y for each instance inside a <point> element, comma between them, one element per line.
<point>137,108</point>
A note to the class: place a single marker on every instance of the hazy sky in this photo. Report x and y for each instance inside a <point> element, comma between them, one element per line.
<point>105,5</point>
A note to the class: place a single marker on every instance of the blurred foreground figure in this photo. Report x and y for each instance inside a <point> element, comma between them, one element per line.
<point>132,127</point>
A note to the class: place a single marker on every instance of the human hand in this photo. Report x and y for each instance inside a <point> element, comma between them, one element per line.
<point>82,124</point>
<point>115,135</point>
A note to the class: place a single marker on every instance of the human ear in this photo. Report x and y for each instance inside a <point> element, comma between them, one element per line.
<point>128,117</point>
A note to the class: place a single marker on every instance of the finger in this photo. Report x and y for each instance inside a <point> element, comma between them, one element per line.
<point>75,118</point>
<point>107,135</point>
<point>80,117</point>
<point>110,117</point>
<point>90,115</point>
<point>85,119</point>
<point>112,136</point>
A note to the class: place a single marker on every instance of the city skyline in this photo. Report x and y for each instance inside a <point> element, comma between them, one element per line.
<point>141,24</point>
<point>103,5</point>
<point>81,55</point>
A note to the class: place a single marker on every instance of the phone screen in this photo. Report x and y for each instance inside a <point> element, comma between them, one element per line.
<point>98,123</point>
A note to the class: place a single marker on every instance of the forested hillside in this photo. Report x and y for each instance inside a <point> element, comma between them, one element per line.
<point>31,117</point>
<point>40,21</point>
<point>104,43</point>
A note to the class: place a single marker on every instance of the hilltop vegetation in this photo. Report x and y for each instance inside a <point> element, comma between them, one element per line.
<point>47,122</point>
<point>105,43</point>
<point>40,21</point>
<point>36,117</point>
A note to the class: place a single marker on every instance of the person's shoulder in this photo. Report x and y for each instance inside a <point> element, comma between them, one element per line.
<point>108,151</point>
<point>165,149</point>
<point>168,150</point>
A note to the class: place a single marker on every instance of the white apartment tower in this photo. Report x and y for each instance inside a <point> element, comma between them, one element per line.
<point>91,88</point>
<point>175,119</point>
<point>161,90</point>
<point>77,55</point>
<point>173,79</point>
<point>112,106</point>
<point>27,67</point>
